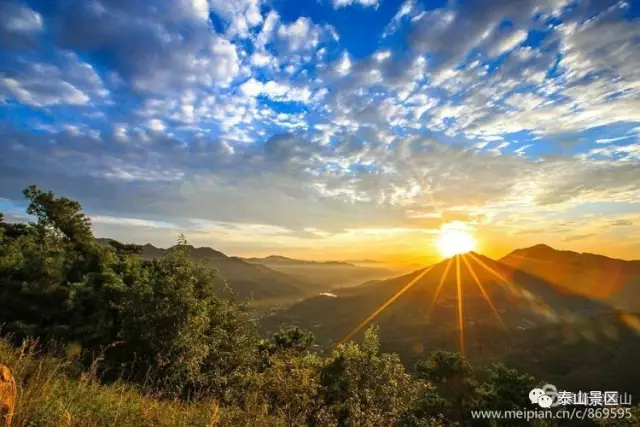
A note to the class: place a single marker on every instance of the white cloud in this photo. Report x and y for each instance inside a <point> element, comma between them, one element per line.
<point>242,15</point>
<point>156,125</point>
<point>39,94</point>
<point>262,59</point>
<point>268,28</point>
<point>343,66</point>
<point>509,42</point>
<point>120,132</point>
<point>276,90</point>
<point>408,8</point>
<point>561,118</point>
<point>382,55</point>
<point>18,24</point>
<point>251,87</point>
<point>131,222</point>
<point>24,21</point>
<point>344,3</point>
<point>609,140</point>
<point>300,34</point>
<point>224,60</point>
<point>66,81</point>
<point>201,8</point>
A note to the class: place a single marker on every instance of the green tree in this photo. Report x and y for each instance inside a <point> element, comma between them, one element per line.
<point>454,379</point>
<point>362,387</point>
<point>507,390</point>
<point>428,408</point>
<point>53,274</point>
<point>292,341</point>
<point>179,337</point>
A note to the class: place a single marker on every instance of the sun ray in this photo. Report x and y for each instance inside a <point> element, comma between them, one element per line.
<point>460,315</point>
<point>536,303</point>
<point>439,288</point>
<point>483,291</point>
<point>387,304</point>
<point>507,282</point>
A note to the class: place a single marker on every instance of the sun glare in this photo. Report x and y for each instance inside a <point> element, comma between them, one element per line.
<point>455,239</point>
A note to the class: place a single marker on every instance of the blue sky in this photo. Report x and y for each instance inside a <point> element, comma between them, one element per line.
<point>315,128</point>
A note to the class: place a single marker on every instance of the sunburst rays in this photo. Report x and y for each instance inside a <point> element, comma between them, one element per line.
<point>460,305</point>
<point>483,291</point>
<point>438,291</point>
<point>390,301</point>
<point>439,288</point>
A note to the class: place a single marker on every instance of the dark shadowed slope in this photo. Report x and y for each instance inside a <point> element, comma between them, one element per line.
<point>614,280</point>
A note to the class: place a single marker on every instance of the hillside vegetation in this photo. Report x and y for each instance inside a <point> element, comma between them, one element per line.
<point>97,336</point>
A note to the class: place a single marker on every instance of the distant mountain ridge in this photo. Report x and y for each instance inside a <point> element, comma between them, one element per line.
<point>530,322</point>
<point>328,274</point>
<point>245,279</point>
<point>274,279</point>
<point>521,299</point>
<point>598,276</point>
<point>546,252</point>
<point>278,259</point>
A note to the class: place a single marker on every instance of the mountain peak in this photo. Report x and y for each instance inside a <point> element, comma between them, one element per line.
<point>535,251</point>
<point>468,254</point>
<point>205,252</point>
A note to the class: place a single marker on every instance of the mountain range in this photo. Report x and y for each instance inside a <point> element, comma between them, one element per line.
<point>613,280</point>
<point>274,280</point>
<point>531,309</point>
<point>325,275</point>
<point>277,259</point>
<point>569,318</point>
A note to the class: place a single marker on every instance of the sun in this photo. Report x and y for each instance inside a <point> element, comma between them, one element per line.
<point>455,239</point>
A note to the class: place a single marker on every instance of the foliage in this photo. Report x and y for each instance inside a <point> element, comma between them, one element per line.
<point>175,331</point>
<point>506,389</point>
<point>454,379</point>
<point>156,322</point>
<point>360,386</point>
<point>152,343</point>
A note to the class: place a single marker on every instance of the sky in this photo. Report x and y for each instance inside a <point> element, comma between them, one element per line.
<point>328,129</point>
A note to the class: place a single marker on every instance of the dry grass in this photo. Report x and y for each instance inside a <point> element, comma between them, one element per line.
<point>52,391</point>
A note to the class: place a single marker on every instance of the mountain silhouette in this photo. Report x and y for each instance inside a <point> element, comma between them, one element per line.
<point>508,299</point>
<point>614,280</point>
<point>531,324</point>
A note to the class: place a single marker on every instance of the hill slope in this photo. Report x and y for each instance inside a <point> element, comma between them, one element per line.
<point>525,302</point>
<point>614,280</point>
<point>559,335</point>
<point>534,321</point>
